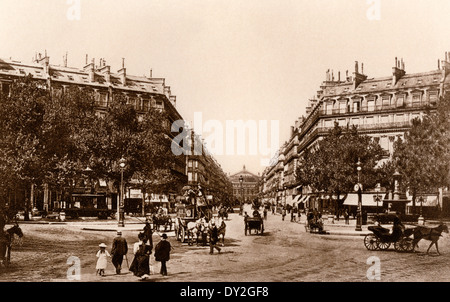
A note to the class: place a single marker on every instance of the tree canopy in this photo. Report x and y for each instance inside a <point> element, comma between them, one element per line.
<point>423,156</point>
<point>51,137</point>
<point>331,164</point>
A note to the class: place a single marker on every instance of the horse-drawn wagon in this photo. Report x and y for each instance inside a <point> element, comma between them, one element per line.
<point>254,223</point>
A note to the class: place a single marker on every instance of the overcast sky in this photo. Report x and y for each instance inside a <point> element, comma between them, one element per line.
<point>257,60</point>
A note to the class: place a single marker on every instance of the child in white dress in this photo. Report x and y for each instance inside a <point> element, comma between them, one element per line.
<point>102,261</point>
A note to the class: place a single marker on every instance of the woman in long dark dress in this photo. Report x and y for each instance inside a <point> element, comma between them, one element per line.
<point>140,266</point>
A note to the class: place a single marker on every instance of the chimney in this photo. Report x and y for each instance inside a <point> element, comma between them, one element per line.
<point>45,62</point>
<point>105,70</point>
<point>90,69</point>
<point>358,78</point>
<point>446,65</point>
<point>65,59</point>
<point>398,71</point>
<point>123,73</point>
<point>151,73</point>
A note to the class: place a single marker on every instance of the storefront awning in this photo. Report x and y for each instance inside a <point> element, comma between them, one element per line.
<point>289,200</point>
<point>304,199</point>
<point>428,201</point>
<point>367,200</point>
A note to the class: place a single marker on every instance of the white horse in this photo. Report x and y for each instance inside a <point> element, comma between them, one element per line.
<point>195,228</point>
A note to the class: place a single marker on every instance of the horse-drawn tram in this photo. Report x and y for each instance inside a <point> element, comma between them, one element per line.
<point>185,215</point>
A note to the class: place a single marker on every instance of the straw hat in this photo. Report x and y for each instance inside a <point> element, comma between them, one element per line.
<point>102,245</point>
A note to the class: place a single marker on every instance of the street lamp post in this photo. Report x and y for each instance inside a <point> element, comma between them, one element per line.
<point>359,189</point>
<point>122,164</point>
<point>421,219</point>
<point>241,180</point>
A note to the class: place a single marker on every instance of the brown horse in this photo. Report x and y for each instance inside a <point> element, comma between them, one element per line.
<point>6,241</point>
<point>431,234</point>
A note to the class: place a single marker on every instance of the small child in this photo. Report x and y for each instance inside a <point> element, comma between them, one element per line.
<point>102,255</point>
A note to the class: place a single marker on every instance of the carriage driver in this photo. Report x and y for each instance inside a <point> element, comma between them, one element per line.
<point>398,227</point>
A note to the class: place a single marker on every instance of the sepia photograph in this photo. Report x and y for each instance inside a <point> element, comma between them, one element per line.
<point>224,146</point>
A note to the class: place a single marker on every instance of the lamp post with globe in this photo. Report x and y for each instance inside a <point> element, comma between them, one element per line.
<point>358,188</point>
<point>122,164</point>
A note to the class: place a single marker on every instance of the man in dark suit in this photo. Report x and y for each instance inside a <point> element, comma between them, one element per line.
<point>119,249</point>
<point>162,253</point>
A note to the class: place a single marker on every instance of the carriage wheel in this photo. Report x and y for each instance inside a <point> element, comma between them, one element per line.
<point>371,242</point>
<point>383,245</point>
<point>404,245</point>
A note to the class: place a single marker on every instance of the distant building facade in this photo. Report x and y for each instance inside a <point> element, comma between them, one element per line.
<point>247,190</point>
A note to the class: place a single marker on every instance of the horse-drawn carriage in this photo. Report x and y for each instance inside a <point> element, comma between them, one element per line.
<point>159,220</point>
<point>382,238</point>
<point>254,223</point>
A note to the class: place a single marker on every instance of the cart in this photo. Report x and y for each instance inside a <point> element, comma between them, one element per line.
<point>254,223</point>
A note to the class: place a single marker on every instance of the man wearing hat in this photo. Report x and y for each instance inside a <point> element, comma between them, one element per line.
<point>119,249</point>
<point>162,253</point>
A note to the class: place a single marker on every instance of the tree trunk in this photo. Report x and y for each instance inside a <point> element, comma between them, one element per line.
<point>143,202</point>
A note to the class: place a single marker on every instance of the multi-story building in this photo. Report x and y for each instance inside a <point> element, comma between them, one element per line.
<point>382,108</point>
<point>203,170</point>
<point>142,92</point>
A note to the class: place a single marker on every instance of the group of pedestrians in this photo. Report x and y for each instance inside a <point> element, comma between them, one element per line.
<point>142,250</point>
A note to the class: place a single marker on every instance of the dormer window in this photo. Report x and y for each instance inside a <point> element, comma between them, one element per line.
<point>371,104</point>
<point>385,101</point>
<point>400,100</point>
<point>416,98</point>
<point>433,96</point>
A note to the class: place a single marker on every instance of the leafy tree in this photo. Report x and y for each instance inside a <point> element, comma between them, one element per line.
<point>330,165</point>
<point>21,133</point>
<point>50,138</point>
<point>422,157</point>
